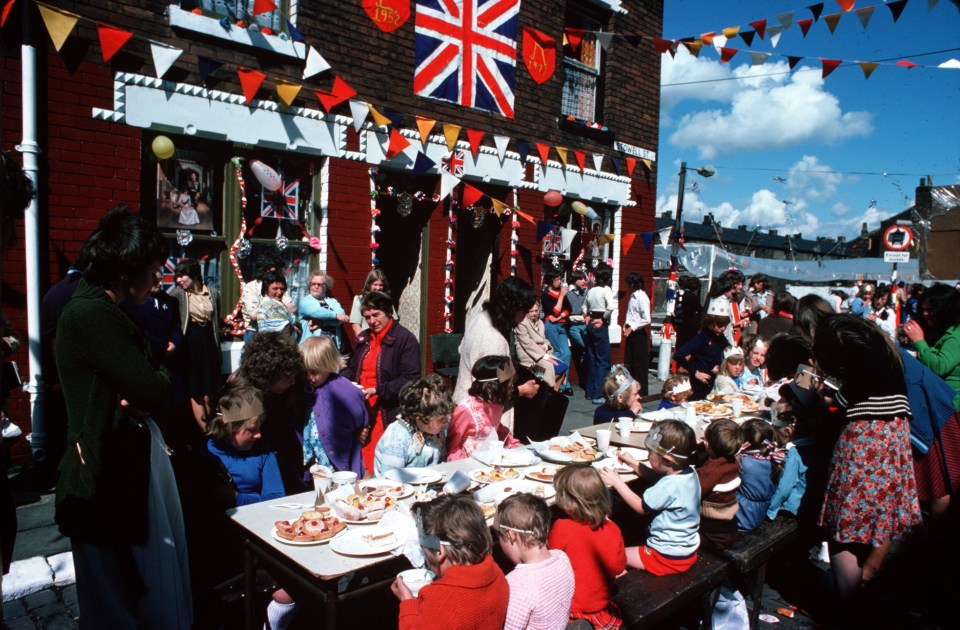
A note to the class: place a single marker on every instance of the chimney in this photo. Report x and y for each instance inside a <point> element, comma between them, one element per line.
<point>772,232</point>
<point>923,198</point>
<point>708,219</point>
<point>666,214</point>
<point>864,232</point>
<point>798,236</point>
<point>741,227</point>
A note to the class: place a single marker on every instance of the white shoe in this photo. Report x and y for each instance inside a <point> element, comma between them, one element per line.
<point>10,430</point>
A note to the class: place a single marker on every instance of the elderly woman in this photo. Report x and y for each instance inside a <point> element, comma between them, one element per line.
<point>417,437</point>
<point>199,316</point>
<point>321,314</point>
<point>535,352</point>
<point>117,498</point>
<point>386,357</point>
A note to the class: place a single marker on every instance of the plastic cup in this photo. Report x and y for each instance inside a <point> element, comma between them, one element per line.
<point>321,477</point>
<point>343,478</point>
<point>737,404</point>
<point>625,425</point>
<point>603,440</point>
<point>415,579</point>
<point>495,450</point>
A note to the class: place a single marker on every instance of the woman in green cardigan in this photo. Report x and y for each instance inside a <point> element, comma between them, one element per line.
<point>117,498</point>
<point>938,342</point>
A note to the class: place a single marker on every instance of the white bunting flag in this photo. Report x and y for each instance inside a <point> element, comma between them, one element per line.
<point>359,111</point>
<point>665,236</point>
<point>604,39</point>
<point>447,183</point>
<point>501,143</point>
<point>774,33</point>
<point>163,57</point>
<point>597,161</point>
<point>758,58</point>
<point>315,63</point>
<point>566,237</point>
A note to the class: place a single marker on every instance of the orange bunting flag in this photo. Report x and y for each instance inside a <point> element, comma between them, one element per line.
<point>662,45</point>
<point>340,93</point>
<point>631,164</point>
<point>544,151</point>
<point>471,195</point>
<point>829,65</point>
<point>626,242</point>
<point>562,153</point>
<point>59,24</point>
<point>475,137</point>
<point>581,157</point>
<point>846,5</point>
<point>805,25</point>
<point>112,39</point>
<point>865,15</point>
<point>425,126</point>
<point>647,164</point>
<point>451,133</point>
<point>694,47</point>
<point>250,82</point>
<point>726,54</point>
<point>707,38</point>
<point>6,11</point>
<point>832,21</point>
<point>731,31</point>
<point>606,238</point>
<point>498,206</point>
<point>574,37</point>
<point>906,64</point>
<point>287,91</point>
<point>379,119</point>
<point>760,26</point>
<point>868,67</point>
<point>263,6</point>
<point>397,144</point>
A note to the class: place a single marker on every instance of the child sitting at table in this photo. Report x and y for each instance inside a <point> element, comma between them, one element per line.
<point>719,479</point>
<point>793,474</point>
<point>470,591</point>
<point>417,437</point>
<point>757,474</point>
<point>676,391</point>
<point>592,541</point>
<point>731,369</point>
<point>674,500</point>
<point>621,397</point>
<point>479,413</point>
<point>541,585</point>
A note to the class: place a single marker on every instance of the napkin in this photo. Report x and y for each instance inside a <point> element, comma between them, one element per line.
<point>401,523</point>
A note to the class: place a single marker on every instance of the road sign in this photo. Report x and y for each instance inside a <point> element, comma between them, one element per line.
<point>897,238</point>
<point>896,257</point>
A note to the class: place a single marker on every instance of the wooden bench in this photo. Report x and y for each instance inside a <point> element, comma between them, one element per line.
<point>645,600</point>
<point>749,554</point>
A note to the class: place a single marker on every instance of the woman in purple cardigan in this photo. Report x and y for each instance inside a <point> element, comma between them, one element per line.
<point>386,356</point>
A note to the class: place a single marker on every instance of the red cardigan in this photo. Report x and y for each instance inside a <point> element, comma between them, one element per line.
<point>467,596</point>
<point>597,558</point>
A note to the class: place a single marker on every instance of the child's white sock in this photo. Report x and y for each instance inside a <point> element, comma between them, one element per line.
<point>280,615</point>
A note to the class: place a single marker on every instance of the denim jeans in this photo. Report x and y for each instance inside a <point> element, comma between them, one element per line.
<point>556,334</point>
<point>577,334</point>
<point>598,359</point>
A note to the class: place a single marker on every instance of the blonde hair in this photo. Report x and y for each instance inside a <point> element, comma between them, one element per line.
<point>733,358</point>
<point>320,355</point>
<point>610,386</point>
<point>582,495</point>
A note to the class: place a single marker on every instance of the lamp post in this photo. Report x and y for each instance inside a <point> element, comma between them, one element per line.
<point>666,336</point>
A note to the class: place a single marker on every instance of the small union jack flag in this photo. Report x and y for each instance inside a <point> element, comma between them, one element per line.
<point>553,243</point>
<point>281,203</point>
<point>453,163</point>
<point>466,52</point>
<point>168,274</point>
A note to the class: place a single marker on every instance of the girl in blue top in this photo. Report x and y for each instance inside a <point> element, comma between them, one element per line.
<point>757,474</point>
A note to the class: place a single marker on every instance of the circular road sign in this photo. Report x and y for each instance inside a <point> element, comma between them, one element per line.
<point>897,238</point>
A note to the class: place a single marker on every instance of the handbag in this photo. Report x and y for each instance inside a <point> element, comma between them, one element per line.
<point>538,418</point>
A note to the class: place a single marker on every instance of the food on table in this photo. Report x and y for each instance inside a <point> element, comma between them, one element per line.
<point>364,507</point>
<point>489,509</point>
<point>379,540</point>
<point>394,491</point>
<point>749,404</point>
<point>708,408</point>
<point>312,526</point>
<point>546,473</point>
<point>497,473</point>
<point>578,452</point>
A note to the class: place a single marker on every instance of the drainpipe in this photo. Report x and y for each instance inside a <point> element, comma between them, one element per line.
<point>31,233</point>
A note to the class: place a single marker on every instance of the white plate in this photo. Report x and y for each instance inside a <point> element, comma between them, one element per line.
<point>658,415</point>
<point>559,457</point>
<point>641,426</point>
<point>365,521</point>
<point>310,543</point>
<point>529,472</point>
<point>616,464</point>
<point>509,474</point>
<point>352,544</point>
<point>513,457</point>
<point>500,490</point>
<point>415,476</point>
<point>390,483</point>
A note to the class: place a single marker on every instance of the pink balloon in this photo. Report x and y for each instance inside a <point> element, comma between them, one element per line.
<point>552,198</point>
<point>266,175</point>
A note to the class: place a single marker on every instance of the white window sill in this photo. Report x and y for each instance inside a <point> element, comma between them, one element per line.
<point>211,27</point>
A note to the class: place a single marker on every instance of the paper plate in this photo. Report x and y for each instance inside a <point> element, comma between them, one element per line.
<point>497,492</point>
<point>641,426</point>
<point>508,457</point>
<point>405,489</point>
<point>352,543</point>
<point>494,474</point>
<point>548,471</point>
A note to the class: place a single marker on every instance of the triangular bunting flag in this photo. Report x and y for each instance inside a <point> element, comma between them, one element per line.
<point>726,54</point>
<point>263,6</point>
<point>816,10</point>
<point>719,41</point>
<point>933,3</point>
<point>543,228</point>
<point>868,67</point>
<point>425,126</point>
<point>786,19</point>
<point>829,65</point>
<point>526,217</point>
<point>760,26</point>
<point>295,35</point>
<point>606,238</point>
<point>896,8</point>
<point>615,160</point>
<point>566,237</point>
<point>422,165</point>
<point>793,61</point>
<point>633,40</point>
<point>846,5</point>
<point>207,66</point>
<point>112,39</point>
<point>501,142</point>
<point>604,39</point>
<point>7,8</point>
<point>499,207</point>
<point>379,119</point>
<point>758,58</point>
<point>631,164</point>
<point>358,111</point>
<point>832,21</point>
<point>906,64</point>
<point>163,57</point>
<point>574,37</point>
<point>665,236</point>
<point>250,82</point>
<point>865,15</point>
<point>315,64</point>
<point>562,153</point>
<point>693,46</point>
<point>647,164</point>
<point>774,33</point>
<point>287,91</point>
<point>471,195</point>
<point>474,137</point>
<point>397,144</point>
<point>523,148</point>
<point>580,157</point>
<point>707,38</point>
<point>626,242</point>
<point>396,119</point>
<point>747,37</point>
<point>339,93</point>
<point>662,45</point>
<point>451,132</point>
<point>805,25</point>
<point>597,161</point>
<point>731,31</point>
<point>447,183</point>
<point>544,151</point>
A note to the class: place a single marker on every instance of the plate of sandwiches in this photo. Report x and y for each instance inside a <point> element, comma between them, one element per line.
<point>542,473</point>
<point>362,509</point>
<point>491,496</point>
<point>570,452</point>
<point>494,474</point>
<point>367,541</point>
<point>385,488</point>
<point>712,409</point>
<point>749,404</point>
<point>316,527</point>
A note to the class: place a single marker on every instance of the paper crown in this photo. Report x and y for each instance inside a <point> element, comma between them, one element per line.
<point>652,443</point>
<point>732,351</point>
<point>623,378</point>
<point>250,406</point>
<point>718,308</point>
<point>681,387</point>
<point>505,373</point>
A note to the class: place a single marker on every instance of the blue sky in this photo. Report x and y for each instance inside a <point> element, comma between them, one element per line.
<point>798,153</point>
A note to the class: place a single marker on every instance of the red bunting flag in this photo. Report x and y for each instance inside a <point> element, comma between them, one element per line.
<point>829,65</point>
<point>6,11</point>
<point>581,156</point>
<point>263,6</point>
<point>474,136</point>
<point>471,195</point>
<point>662,45</point>
<point>574,37</point>
<point>726,54</point>
<point>250,82</point>
<point>112,39</point>
<point>846,5</point>
<point>760,26</point>
<point>906,64</point>
<point>544,151</point>
<point>626,242</point>
<point>631,164</point>
<point>397,144</point>
<point>341,92</point>
<point>805,25</point>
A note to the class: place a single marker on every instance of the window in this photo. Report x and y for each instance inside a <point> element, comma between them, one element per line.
<point>217,20</point>
<point>235,10</point>
<point>583,67</point>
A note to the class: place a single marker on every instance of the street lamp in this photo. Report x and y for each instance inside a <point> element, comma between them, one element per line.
<point>666,336</point>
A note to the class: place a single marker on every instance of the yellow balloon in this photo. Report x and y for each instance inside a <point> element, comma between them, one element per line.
<point>163,147</point>
<point>579,207</point>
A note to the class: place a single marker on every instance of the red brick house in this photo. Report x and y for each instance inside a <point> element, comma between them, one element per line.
<point>97,121</point>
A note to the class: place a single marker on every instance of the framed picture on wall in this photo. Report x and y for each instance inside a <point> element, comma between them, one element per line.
<point>186,193</point>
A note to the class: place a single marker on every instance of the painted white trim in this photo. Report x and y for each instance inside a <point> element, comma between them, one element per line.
<point>210,27</point>
<point>324,203</point>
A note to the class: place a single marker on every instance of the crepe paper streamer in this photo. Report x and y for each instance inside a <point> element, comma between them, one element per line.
<point>250,82</point>
<point>243,229</point>
<point>374,213</point>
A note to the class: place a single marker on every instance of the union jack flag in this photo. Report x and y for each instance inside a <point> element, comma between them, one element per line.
<point>453,163</point>
<point>553,243</point>
<point>466,52</point>
<point>282,203</point>
<point>168,276</point>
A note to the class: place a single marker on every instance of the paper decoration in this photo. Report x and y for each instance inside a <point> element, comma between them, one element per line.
<point>631,164</point>
<point>388,15</point>
<point>906,64</point>
<point>562,154</point>
<point>786,19</point>
<point>397,144</point>
<point>597,161</point>
<point>471,195</point>
<point>846,5</point>
<point>719,41</point>
<point>295,35</point>
<point>112,40</point>
<point>207,66</point>
<point>379,119</point>
<point>552,243</point>
<point>450,133</point>
<point>523,148</point>
<point>250,82</point>
<point>760,26</point>
<point>339,93</point>
<point>263,6</point>
<point>731,31</point>
<point>539,54</point>
<point>793,61</point>
<point>829,65</point>
<point>544,151</point>
<point>626,242</point>
<point>475,137</point>
<point>453,163</point>
<point>693,46</point>
<point>665,236</point>
<point>707,38</point>
<point>281,204</point>
<point>499,207</point>
<point>726,54</point>
<point>422,165</point>
<point>501,142</point>
<point>574,37</point>
<point>287,91</point>
<point>449,271</point>
<point>604,39</point>
<point>865,15</point>
<point>774,33</point>
<point>662,45</point>
<point>580,157</point>
<point>7,8</point>
<point>315,63</point>
<point>606,238</point>
<point>896,8</point>
<point>543,228</point>
<point>758,58</point>
<point>425,126</point>
<point>868,67</point>
<point>566,238</point>
<point>447,183</point>
<point>805,25</point>
<point>747,37</point>
<point>832,21</point>
<point>358,111</point>
<point>163,57</point>
<point>615,160</point>
<point>396,119</point>
<point>816,9</point>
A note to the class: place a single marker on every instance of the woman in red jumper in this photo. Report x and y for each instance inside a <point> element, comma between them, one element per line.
<point>470,591</point>
<point>592,541</point>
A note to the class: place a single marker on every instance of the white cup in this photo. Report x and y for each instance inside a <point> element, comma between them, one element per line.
<point>343,478</point>
<point>415,579</point>
<point>737,404</point>
<point>321,477</point>
<point>495,449</point>
<point>625,425</point>
<point>603,440</point>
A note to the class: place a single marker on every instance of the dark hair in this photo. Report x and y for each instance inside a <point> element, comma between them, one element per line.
<point>190,268</point>
<point>943,303</point>
<point>377,301</point>
<point>809,312</point>
<point>784,302</point>
<point>125,245</point>
<point>690,283</point>
<point>786,351</point>
<point>576,274</point>
<point>490,391</point>
<point>374,275</point>
<point>710,320</point>
<point>233,394</point>
<point>425,398</point>
<point>459,521</point>
<point>269,357</point>
<point>679,439</point>
<point>16,190</point>
<point>882,291</point>
<point>272,277</point>
<point>549,275</point>
<point>726,281</point>
<point>759,277</point>
<point>634,281</point>
<point>267,261</point>
<point>861,355</point>
<point>756,432</point>
<point>511,296</point>
<point>602,275</point>
<point>725,438</point>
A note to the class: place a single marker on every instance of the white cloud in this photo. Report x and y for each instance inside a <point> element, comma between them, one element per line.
<point>812,180</point>
<point>685,77</point>
<point>839,209</point>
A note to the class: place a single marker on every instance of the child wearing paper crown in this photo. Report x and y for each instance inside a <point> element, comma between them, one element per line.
<point>478,415</point>
<point>719,479</point>
<point>701,356</point>
<point>757,474</point>
<point>674,500</point>
<point>470,591</point>
<point>621,397</point>
<point>676,391</point>
<point>731,370</point>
